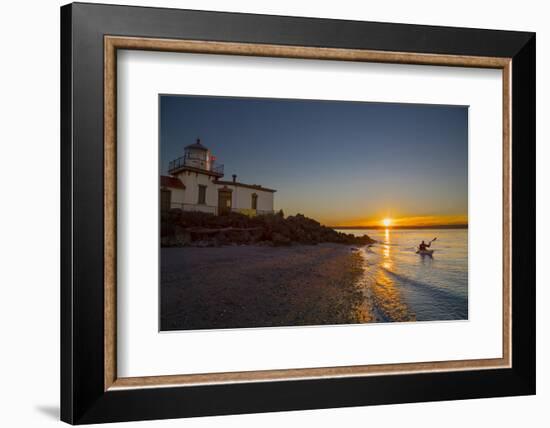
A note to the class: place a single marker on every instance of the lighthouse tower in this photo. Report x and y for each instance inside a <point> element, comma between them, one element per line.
<point>197,156</point>
<point>198,159</point>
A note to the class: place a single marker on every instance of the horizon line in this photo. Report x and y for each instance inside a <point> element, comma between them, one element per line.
<point>419,226</point>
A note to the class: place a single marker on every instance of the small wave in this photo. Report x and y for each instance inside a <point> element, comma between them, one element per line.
<point>436,292</point>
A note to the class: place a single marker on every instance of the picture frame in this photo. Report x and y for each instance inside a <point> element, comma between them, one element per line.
<point>91,391</point>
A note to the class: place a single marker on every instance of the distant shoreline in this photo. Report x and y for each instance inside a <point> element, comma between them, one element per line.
<point>445,226</point>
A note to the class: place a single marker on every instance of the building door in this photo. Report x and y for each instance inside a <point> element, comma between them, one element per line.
<point>224,201</point>
<point>165,200</point>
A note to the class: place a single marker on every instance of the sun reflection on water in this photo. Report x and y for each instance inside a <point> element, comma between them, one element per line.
<point>384,290</point>
<point>386,250</point>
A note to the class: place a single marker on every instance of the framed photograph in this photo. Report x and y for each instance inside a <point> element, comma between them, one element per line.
<point>266,213</point>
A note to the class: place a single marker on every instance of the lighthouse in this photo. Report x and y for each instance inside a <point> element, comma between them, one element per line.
<point>195,184</point>
<point>198,156</point>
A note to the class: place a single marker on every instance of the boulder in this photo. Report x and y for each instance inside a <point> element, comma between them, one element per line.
<point>182,239</point>
<point>280,240</point>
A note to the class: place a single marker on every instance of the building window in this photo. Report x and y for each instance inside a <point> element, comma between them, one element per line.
<point>202,194</point>
<point>254,201</point>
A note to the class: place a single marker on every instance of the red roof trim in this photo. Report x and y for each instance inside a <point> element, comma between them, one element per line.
<point>175,183</point>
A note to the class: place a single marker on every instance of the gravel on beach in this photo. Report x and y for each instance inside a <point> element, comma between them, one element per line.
<point>260,286</point>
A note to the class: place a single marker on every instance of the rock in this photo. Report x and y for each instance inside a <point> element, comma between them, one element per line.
<point>280,240</point>
<point>166,241</point>
<point>182,239</point>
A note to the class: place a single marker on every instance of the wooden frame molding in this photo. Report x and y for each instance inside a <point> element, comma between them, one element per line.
<point>113,43</point>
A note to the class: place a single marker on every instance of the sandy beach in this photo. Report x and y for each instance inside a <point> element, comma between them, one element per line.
<point>261,286</point>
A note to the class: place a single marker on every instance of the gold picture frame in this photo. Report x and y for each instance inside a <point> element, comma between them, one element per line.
<point>114,43</point>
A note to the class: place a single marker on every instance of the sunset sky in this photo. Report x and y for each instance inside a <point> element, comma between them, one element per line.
<point>341,163</point>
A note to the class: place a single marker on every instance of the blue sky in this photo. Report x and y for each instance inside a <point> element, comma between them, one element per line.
<point>339,162</point>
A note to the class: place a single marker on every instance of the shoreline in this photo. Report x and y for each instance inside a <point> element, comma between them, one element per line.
<point>254,286</point>
<point>258,286</point>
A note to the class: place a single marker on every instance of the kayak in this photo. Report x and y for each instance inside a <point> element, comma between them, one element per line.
<point>425,252</point>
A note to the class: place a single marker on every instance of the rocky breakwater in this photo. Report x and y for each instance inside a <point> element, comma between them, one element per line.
<point>187,228</point>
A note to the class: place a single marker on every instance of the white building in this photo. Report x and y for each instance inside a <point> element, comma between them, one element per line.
<point>195,184</point>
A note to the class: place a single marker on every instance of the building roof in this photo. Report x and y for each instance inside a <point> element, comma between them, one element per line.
<point>167,181</point>
<point>249,186</point>
<point>197,146</point>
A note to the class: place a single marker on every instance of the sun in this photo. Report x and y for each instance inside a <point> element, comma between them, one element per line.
<point>386,222</point>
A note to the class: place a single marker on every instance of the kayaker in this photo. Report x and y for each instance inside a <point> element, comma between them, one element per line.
<point>422,246</point>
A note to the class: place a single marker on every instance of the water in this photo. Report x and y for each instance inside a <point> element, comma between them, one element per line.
<point>400,285</point>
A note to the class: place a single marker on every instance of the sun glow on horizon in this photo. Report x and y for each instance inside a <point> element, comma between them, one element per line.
<point>400,221</point>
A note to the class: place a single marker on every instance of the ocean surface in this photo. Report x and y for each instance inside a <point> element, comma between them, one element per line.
<point>405,286</point>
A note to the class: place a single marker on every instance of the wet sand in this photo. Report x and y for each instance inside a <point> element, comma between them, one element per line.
<point>259,286</point>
